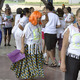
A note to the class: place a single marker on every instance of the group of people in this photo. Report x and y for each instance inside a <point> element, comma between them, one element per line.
<point>37,33</point>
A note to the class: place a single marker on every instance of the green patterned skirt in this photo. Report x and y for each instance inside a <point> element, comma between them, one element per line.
<point>31,66</point>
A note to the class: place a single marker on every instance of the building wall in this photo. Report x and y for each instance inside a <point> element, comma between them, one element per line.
<point>74,1</point>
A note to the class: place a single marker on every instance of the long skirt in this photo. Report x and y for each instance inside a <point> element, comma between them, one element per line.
<point>31,66</point>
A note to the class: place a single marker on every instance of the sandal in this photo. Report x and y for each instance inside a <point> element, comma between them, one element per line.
<point>46,62</point>
<point>53,65</point>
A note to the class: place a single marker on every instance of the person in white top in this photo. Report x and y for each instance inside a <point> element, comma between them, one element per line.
<point>68,17</point>
<point>70,53</point>
<point>50,33</point>
<point>60,32</point>
<point>43,41</point>
<point>0,28</point>
<point>7,19</point>
<point>17,17</point>
<point>23,21</point>
<point>31,66</point>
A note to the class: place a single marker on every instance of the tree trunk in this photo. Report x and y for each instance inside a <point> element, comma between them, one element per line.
<point>44,1</point>
<point>1,3</point>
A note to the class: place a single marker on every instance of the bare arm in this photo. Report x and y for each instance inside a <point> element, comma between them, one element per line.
<point>58,26</point>
<point>22,44</point>
<point>63,51</point>
<point>44,22</point>
<point>21,27</point>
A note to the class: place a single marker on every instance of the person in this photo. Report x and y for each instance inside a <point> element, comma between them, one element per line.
<point>70,53</point>
<point>43,41</point>
<point>31,10</point>
<point>68,17</point>
<point>60,31</point>
<point>7,19</point>
<point>31,66</point>
<point>23,21</point>
<point>63,6</point>
<point>17,17</point>
<point>50,33</point>
<point>0,28</point>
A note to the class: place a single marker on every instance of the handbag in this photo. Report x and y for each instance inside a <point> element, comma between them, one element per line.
<point>15,56</point>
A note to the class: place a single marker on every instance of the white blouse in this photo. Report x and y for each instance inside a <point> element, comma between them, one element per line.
<point>74,40</point>
<point>33,36</point>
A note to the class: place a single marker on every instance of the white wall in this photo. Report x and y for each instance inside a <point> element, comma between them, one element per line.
<point>32,0</point>
<point>74,1</point>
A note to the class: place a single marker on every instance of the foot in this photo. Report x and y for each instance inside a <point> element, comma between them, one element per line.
<point>46,62</point>
<point>53,65</point>
<point>9,45</point>
<point>4,44</point>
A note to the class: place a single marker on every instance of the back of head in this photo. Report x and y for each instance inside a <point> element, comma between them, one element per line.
<point>7,5</point>
<point>77,12</point>
<point>34,16</point>
<point>60,12</point>
<point>69,9</point>
<point>19,11</point>
<point>24,11</point>
<point>49,6</point>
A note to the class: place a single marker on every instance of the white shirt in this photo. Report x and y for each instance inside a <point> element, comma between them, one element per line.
<point>50,27</point>
<point>61,29</point>
<point>23,21</point>
<point>74,40</point>
<point>17,18</point>
<point>8,23</point>
<point>32,33</point>
<point>67,18</point>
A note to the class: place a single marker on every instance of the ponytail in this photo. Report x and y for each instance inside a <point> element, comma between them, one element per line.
<point>24,11</point>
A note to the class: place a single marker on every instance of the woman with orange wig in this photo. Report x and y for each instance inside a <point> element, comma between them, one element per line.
<point>32,66</point>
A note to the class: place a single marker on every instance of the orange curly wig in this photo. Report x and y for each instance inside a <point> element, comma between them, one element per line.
<point>34,16</point>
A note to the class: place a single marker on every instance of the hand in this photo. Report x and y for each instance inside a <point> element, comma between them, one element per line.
<point>63,67</point>
<point>22,50</point>
<point>6,20</point>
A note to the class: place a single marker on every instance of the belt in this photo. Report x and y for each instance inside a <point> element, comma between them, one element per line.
<point>73,56</point>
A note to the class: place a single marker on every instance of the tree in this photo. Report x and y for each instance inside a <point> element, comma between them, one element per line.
<point>44,1</point>
<point>1,3</point>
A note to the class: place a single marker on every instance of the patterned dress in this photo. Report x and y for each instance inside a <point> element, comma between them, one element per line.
<point>32,65</point>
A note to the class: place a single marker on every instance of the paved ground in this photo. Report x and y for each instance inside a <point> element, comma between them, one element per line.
<point>7,74</point>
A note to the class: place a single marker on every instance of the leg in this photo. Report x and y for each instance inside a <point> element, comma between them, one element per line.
<point>5,34</point>
<point>43,46</point>
<point>9,36</point>
<point>72,66</point>
<point>51,54</point>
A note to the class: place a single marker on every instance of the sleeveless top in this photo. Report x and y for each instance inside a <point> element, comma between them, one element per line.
<point>74,40</point>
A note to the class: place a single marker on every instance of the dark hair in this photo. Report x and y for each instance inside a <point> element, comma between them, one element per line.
<point>9,9</point>
<point>19,10</point>
<point>69,9</point>
<point>60,12</point>
<point>49,6</point>
<point>31,8</point>
<point>77,12</point>
<point>24,11</point>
